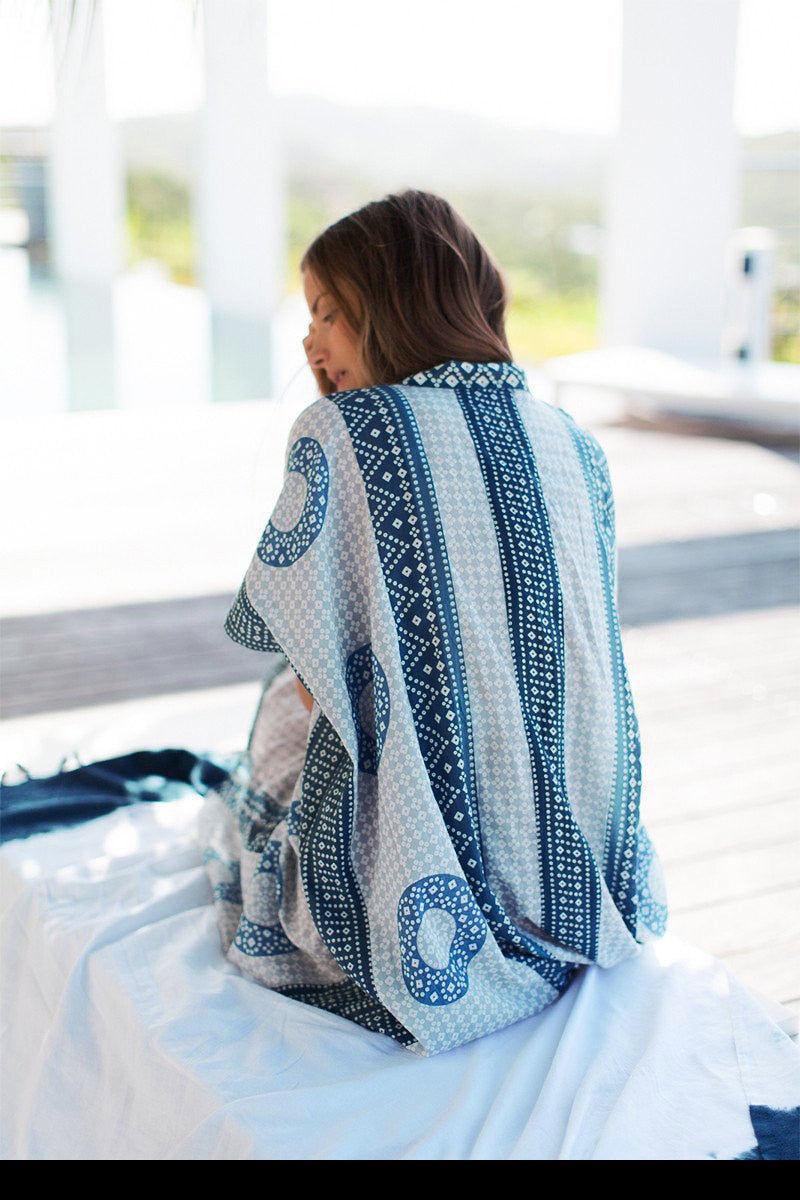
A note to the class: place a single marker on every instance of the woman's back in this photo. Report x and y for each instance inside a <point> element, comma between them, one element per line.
<point>439,572</point>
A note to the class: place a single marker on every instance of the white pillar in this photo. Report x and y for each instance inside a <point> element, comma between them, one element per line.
<point>673,196</point>
<point>85,202</point>
<point>240,196</point>
<point>85,182</point>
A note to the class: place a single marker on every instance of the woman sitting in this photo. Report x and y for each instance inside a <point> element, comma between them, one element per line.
<point>437,824</point>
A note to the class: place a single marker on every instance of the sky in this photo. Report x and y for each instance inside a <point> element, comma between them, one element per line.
<point>541,64</point>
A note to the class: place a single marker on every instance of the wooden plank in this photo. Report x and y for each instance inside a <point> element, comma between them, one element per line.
<point>155,650</point>
<point>690,555</point>
<point>175,649</point>
<point>215,719</point>
<point>773,970</point>
<point>109,654</point>
<point>149,683</point>
<point>748,828</point>
<point>743,925</point>
<point>55,629</point>
<point>667,580</point>
<point>730,636</point>
<point>737,695</point>
<point>667,803</point>
<point>674,486</point>
<point>716,759</point>
<point>680,759</point>
<point>675,660</point>
<point>751,871</point>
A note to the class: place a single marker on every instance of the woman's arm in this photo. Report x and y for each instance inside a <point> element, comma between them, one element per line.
<point>303,694</point>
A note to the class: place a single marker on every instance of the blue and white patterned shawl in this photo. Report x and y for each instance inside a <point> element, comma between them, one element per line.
<point>464,832</point>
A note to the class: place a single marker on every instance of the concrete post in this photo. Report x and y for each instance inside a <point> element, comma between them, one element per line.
<point>673,196</point>
<point>240,197</point>
<point>86,201</point>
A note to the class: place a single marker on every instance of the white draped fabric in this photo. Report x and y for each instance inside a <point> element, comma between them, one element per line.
<point>127,1034</point>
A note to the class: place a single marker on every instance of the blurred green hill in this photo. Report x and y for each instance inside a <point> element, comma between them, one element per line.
<point>535,198</point>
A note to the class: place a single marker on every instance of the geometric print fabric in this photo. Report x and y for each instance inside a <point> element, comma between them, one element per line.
<point>437,956</point>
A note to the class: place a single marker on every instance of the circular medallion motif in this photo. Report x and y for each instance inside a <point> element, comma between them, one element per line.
<point>282,547</point>
<point>439,985</point>
<point>291,503</point>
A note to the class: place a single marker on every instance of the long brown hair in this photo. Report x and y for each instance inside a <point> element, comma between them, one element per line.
<point>414,283</point>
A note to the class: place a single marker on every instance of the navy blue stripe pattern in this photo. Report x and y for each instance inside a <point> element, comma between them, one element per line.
<point>412,550</point>
<point>325,833</point>
<point>366,684</point>
<point>245,626</point>
<point>347,1000</point>
<point>571,887</point>
<point>620,852</point>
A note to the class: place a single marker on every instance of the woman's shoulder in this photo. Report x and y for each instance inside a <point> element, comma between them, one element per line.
<point>321,414</point>
<point>330,420</point>
<point>584,439</point>
<point>325,413</point>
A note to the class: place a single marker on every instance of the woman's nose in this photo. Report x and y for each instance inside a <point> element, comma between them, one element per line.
<point>314,352</point>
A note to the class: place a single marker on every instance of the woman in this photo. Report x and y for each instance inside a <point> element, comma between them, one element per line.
<point>437,824</point>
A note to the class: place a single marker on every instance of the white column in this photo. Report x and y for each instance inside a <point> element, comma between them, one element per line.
<point>673,196</point>
<point>85,202</point>
<point>85,181</point>
<point>240,196</point>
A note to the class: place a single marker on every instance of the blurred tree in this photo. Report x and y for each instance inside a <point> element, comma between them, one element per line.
<point>159,223</point>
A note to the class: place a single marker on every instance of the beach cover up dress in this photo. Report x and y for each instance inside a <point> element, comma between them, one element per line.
<point>453,832</point>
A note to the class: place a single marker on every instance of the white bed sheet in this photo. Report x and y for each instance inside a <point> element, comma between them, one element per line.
<point>127,1035</point>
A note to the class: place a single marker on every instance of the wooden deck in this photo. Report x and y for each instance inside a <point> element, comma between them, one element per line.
<point>118,588</point>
